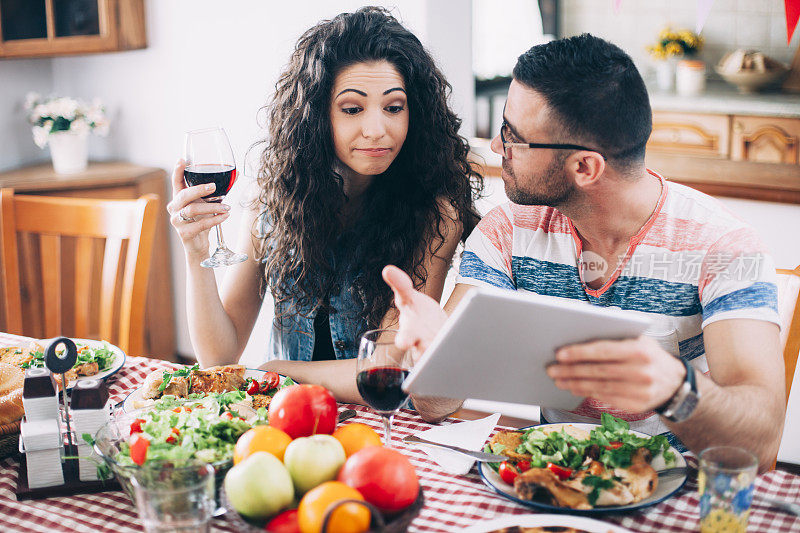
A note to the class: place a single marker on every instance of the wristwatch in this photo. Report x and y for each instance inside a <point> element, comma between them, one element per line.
<point>684,401</point>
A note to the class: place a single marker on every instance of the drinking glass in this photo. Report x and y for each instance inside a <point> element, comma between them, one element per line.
<point>209,159</point>
<point>175,499</point>
<point>381,369</point>
<point>725,482</point>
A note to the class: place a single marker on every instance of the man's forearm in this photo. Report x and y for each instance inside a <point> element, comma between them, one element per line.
<point>748,416</point>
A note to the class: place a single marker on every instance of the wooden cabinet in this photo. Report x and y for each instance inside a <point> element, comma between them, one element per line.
<point>118,180</point>
<point>765,140</point>
<point>686,133</point>
<point>46,28</point>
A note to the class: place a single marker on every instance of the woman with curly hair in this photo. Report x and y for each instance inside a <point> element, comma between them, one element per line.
<point>363,167</point>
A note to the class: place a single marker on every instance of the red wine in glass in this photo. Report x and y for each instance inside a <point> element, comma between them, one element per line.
<point>381,369</point>
<point>209,159</point>
<point>223,176</point>
<point>381,388</point>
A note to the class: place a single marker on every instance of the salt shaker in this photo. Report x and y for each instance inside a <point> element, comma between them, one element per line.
<point>39,395</point>
<point>43,445</point>
<point>89,407</point>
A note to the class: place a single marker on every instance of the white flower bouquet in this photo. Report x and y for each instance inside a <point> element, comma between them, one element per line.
<point>52,114</point>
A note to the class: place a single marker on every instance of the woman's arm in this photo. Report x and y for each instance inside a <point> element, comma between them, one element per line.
<point>219,326</point>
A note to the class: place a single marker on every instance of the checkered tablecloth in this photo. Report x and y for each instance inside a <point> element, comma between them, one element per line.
<point>451,502</point>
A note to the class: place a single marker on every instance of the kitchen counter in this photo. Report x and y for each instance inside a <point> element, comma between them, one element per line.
<point>722,98</point>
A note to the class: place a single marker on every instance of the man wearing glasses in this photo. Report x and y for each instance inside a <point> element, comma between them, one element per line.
<point>588,221</point>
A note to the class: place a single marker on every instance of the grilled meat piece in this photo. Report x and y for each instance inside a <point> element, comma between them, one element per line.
<point>532,481</point>
<point>88,369</point>
<point>218,379</point>
<point>640,477</point>
<point>509,439</point>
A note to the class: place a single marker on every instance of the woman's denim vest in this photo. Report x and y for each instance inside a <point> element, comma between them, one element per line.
<point>292,337</point>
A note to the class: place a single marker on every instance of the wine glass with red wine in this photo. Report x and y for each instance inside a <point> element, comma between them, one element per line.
<point>209,159</point>
<point>381,369</point>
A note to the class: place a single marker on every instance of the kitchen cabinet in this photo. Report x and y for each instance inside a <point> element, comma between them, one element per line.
<point>765,140</point>
<point>48,28</point>
<point>116,180</point>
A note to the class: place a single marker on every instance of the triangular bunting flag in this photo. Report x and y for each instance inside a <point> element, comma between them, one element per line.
<point>792,14</point>
<point>703,9</point>
<point>617,6</point>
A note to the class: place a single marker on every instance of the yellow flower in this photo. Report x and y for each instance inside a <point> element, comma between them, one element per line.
<point>673,49</point>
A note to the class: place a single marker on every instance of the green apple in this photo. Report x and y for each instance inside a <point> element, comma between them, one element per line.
<point>259,486</point>
<point>313,460</point>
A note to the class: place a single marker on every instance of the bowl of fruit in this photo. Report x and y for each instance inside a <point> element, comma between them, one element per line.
<point>303,472</point>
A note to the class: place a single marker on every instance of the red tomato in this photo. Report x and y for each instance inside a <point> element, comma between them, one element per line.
<point>562,472</point>
<point>139,447</point>
<point>303,410</point>
<point>507,472</point>
<point>285,522</point>
<point>252,388</point>
<point>271,381</point>
<point>385,478</point>
<point>136,425</point>
<point>613,445</point>
<point>522,466</point>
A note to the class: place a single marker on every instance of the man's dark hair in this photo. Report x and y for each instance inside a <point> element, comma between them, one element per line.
<point>596,93</point>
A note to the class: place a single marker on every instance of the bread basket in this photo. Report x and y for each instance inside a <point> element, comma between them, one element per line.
<point>9,439</point>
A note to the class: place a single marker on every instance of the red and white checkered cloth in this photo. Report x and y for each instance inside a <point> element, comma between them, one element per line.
<point>451,502</point>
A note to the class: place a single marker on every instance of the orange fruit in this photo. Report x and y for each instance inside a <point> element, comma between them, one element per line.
<point>356,436</point>
<point>347,518</point>
<point>261,439</point>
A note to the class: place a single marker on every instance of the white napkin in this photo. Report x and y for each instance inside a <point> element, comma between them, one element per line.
<point>470,435</point>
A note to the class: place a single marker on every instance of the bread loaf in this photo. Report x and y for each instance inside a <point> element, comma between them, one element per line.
<point>12,379</point>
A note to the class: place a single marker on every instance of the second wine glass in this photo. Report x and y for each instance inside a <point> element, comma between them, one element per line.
<point>209,159</point>
<point>381,370</point>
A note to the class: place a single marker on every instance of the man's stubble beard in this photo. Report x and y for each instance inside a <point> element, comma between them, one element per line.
<point>555,187</point>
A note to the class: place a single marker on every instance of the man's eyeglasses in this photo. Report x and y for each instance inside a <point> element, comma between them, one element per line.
<point>508,145</point>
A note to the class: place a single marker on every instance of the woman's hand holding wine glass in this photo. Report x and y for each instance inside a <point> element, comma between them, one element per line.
<point>199,184</point>
<point>191,216</point>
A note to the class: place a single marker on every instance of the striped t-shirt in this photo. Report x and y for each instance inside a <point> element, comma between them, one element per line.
<point>691,264</point>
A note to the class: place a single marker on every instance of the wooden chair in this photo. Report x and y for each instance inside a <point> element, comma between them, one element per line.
<point>789,312</point>
<point>77,267</point>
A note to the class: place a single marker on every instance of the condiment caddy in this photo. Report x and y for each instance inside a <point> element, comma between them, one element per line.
<point>54,458</point>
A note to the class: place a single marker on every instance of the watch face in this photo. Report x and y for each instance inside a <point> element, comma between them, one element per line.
<point>686,408</point>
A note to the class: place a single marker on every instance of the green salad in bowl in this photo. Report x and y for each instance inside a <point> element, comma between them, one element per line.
<point>176,432</point>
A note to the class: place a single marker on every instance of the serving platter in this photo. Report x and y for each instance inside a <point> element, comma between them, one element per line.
<point>128,405</point>
<point>589,525</point>
<point>666,486</point>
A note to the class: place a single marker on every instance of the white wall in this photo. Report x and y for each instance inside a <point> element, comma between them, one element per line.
<point>17,77</point>
<point>210,62</point>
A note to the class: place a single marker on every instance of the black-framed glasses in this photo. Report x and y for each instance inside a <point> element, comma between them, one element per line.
<point>557,146</point>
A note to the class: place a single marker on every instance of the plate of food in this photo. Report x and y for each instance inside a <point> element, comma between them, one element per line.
<point>192,382</point>
<point>545,523</point>
<point>583,468</point>
<point>96,359</point>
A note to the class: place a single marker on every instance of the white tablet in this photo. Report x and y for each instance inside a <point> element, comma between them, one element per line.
<point>497,343</point>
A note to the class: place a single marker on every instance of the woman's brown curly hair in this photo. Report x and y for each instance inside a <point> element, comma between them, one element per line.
<point>302,195</point>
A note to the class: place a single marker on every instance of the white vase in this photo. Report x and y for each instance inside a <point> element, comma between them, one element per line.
<point>665,75</point>
<point>69,152</point>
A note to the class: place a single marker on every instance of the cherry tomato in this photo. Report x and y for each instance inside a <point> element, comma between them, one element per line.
<point>385,477</point>
<point>253,387</point>
<point>138,448</point>
<point>303,410</point>
<point>136,425</point>
<point>171,439</point>
<point>522,466</point>
<point>613,445</point>
<point>176,431</point>
<point>286,522</point>
<point>562,472</point>
<point>508,473</point>
<point>271,381</point>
